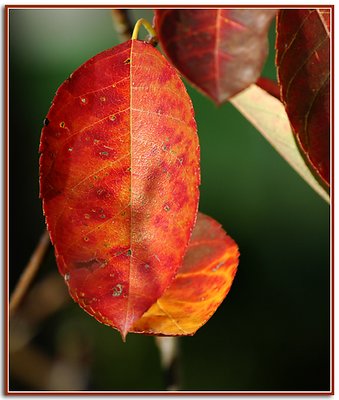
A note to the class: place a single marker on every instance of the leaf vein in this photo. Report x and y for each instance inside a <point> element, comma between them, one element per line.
<point>171,318</point>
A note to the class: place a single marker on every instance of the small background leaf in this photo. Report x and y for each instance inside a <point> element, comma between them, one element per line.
<point>200,286</point>
<point>268,115</point>
<point>303,61</point>
<point>221,51</point>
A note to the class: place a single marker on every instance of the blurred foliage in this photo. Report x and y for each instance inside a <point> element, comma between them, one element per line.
<point>272,331</point>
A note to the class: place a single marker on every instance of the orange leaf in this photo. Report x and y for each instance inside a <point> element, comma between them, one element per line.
<point>119,174</point>
<point>199,288</point>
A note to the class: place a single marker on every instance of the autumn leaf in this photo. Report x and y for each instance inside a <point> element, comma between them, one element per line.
<point>303,57</point>
<point>199,288</point>
<point>119,176</point>
<point>220,51</point>
<point>268,115</point>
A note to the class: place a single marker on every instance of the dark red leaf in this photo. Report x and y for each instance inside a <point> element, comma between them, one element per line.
<point>269,86</point>
<point>221,51</point>
<point>303,57</point>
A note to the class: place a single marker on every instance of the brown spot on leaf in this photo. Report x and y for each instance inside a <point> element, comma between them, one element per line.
<point>91,264</point>
<point>218,266</point>
<point>117,290</point>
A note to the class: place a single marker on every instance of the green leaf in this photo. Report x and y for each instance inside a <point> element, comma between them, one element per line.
<point>268,115</point>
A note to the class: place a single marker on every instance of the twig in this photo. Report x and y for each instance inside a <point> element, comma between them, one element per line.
<point>169,356</point>
<point>29,273</point>
<point>122,23</point>
<point>270,86</point>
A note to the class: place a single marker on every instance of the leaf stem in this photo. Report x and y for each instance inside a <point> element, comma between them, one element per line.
<point>153,36</point>
<point>29,273</point>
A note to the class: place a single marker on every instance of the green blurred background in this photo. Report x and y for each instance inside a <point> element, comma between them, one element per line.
<point>272,331</point>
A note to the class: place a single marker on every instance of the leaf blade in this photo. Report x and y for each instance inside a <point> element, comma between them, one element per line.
<point>268,115</point>
<point>303,56</point>
<point>119,171</point>
<point>220,51</point>
<point>201,285</point>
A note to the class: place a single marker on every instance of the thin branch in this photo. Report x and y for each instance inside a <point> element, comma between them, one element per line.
<point>122,23</point>
<point>29,273</point>
<point>44,298</point>
<point>169,356</point>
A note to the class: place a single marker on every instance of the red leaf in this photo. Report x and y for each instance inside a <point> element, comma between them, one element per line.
<point>199,288</point>
<point>119,180</point>
<point>303,56</point>
<point>221,51</point>
<point>269,86</point>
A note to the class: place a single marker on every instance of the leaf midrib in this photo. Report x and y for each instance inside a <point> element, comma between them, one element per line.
<point>128,307</point>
